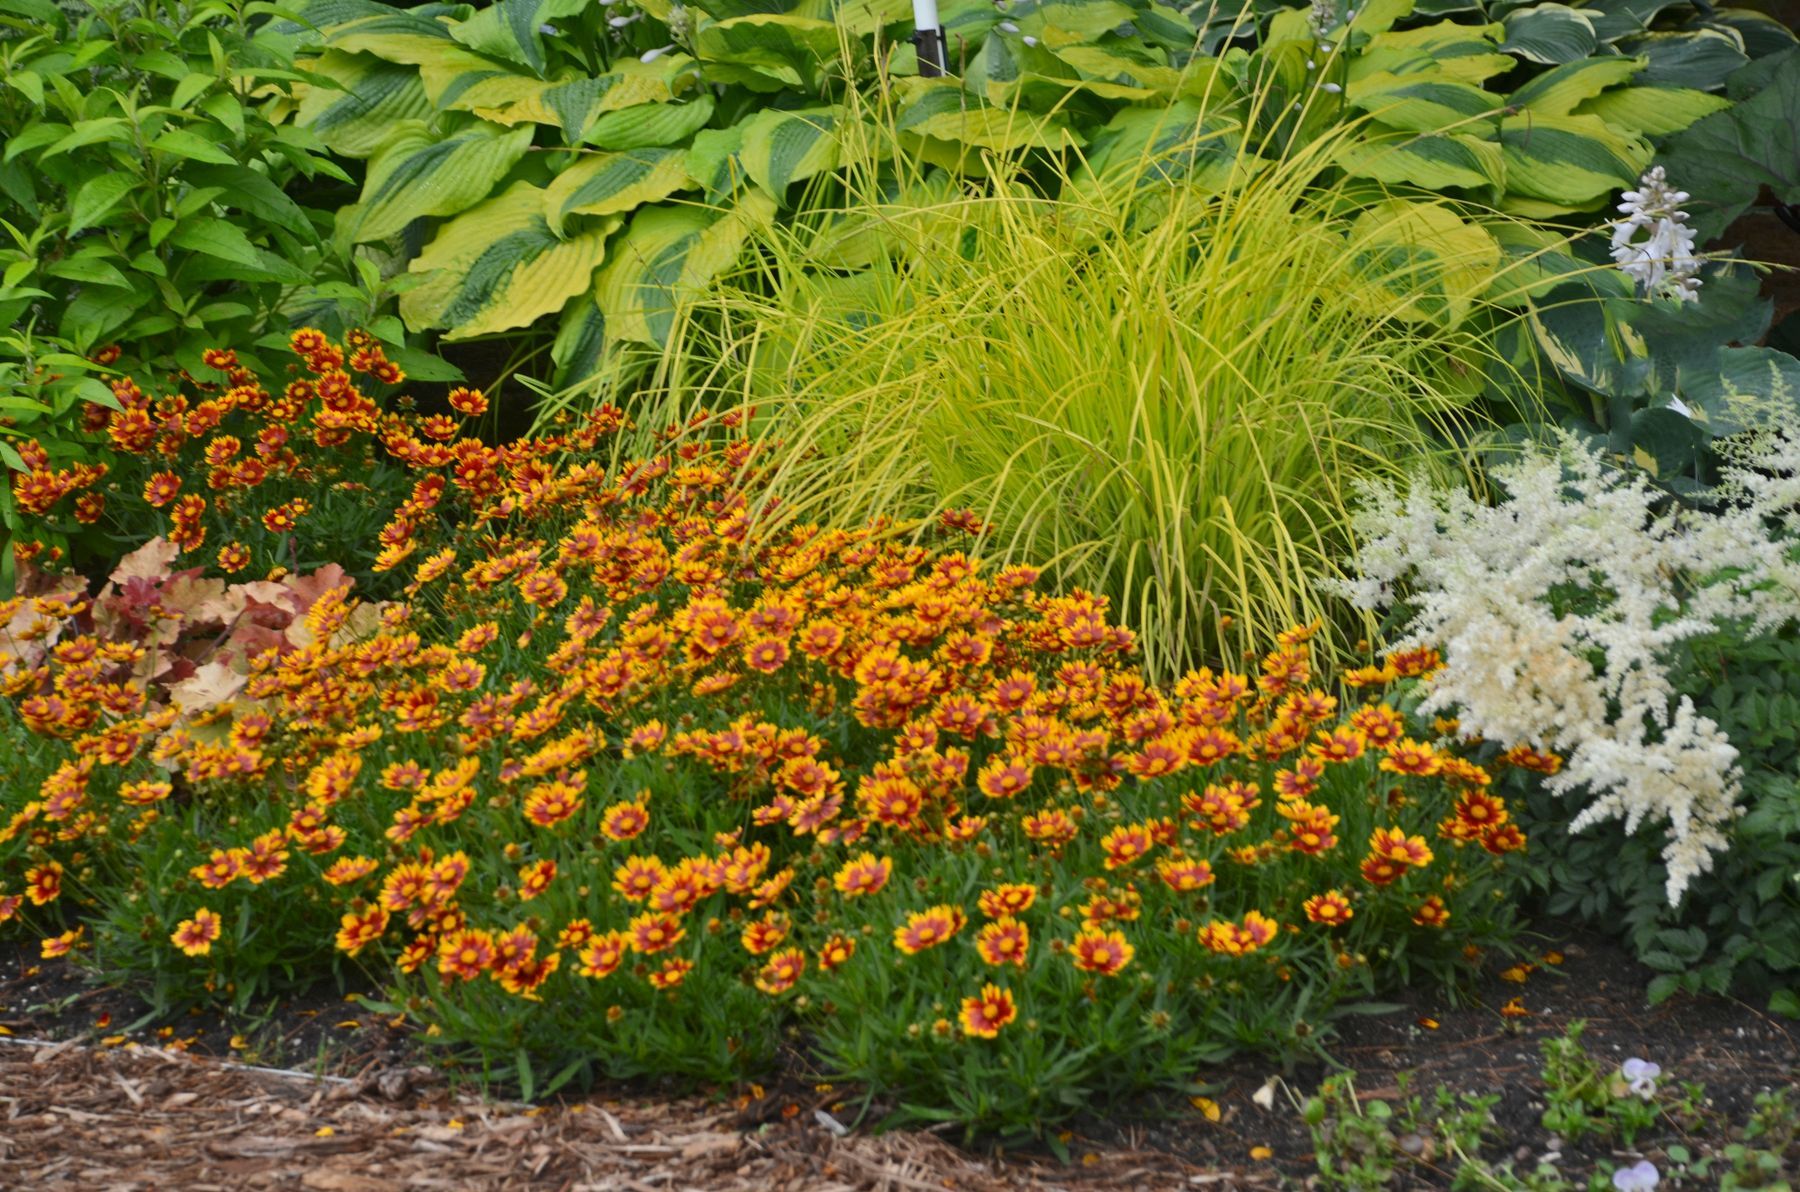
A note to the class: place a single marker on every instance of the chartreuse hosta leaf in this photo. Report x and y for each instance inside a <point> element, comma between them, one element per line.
<point>391,34</point>
<point>1551,34</point>
<point>780,148</point>
<point>575,104</point>
<point>1569,160</point>
<point>500,265</point>
<point>668,254</point>
<point>1422,103</point>
<point>940,109</point>
<point>1063,23</point>
<point>615,183</point>
<point>1653,111</point>
<point>512,29</point>
<point>646,125</point>
<point>419,173</point>
<point>1560,91</point>
<point>1434,161</point>
<point>1467,53</point>
<point>768,51</point>
<point>354,117</point>
<point>1430,264</point>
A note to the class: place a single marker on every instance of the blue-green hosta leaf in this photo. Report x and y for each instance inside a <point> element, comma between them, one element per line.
<point>1420,103</point>
<point>648,125</point>
<point>780,148</point>
<point>1750,387</point>
<point>1700,58</point>
<point>1551,34</point>
<point>768,51</point>
<point>1761,34</point>
<point>1654,111</point>
<point>1589,347</point>
<point>1569,159</point>
<point>615,183</point>
<point>1735,153</point>
<point>667,256</point>
<point>1560,91</point>
<point>1427,262</point>
<point>1614,19</point>
<point>417,173</point>
<point>500,265</point>
<point>1434,161</point>
<point>357,109</point>
<point>940,109</point>
<point>1467,53</point>
<point>510,29</point>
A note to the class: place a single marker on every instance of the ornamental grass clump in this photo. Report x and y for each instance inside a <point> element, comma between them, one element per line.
<point>1563,609</point>
<point>615,791</point>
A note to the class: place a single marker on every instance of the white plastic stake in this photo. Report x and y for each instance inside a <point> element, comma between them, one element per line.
<point>928,38</point>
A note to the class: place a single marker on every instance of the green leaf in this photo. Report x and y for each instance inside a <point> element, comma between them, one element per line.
<point>370,97</point>
<point>244,189</point>
<point>96,131</point>
<point>1551,34</point>
<point>97,197</point>
<point>768,51</point>
<point>1654,111</point>
<point>181,143</point>
<point>90,270</point>
<point>1569,159</point>
<point>1557,92</point>
<point>217,238</point>
<point>1434,161</point>
<point>417,174</point>
<point>1699,58</point>
<point>614,183</point>
<point>1423,104</point>
<point>780,148</point>
<point>500,265</point>
<point>650,125</point>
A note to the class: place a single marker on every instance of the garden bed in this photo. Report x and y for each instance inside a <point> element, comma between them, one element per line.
<point>239,1124</point>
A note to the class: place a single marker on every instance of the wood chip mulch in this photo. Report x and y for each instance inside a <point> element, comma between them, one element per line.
<point>73,1116</point>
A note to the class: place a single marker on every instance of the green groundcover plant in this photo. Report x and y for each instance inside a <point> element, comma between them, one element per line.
<point>615,790</point>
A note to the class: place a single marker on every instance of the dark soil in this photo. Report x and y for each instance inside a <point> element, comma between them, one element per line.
<point>1734,1049</point>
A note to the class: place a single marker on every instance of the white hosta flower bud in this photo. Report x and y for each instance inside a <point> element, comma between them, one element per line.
<point>679,22</point>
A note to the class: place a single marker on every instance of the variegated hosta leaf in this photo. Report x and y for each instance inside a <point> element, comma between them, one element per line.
<point>1061,23</point>
<point>1428,263</point>
<point>1183,140</point>
<point>1114,63</point>
<point>780,148</point>
<point>1569,159</point>
<point>1551,34</point>
<point>1560,91</point>
<point>714,160</point>
<point>1654,111</point>
<point>1467,53</point>
<point>510,29</point>
<point>391,34</point>
<point>574,105</point>
<point>1537,260</point>
<point>648,125</point>
<point>1614,19</point>
<point>615,183</point>
<point>500,265</point>
<point>371,97</point>
<point>1434,161</point>
<point>938,108</point>
<point>1422,103</point>
<point>418,173</point>
<point>769,51</point>
<point>668,255</point>
<point>1751,387</point>
<point>1699,58</point>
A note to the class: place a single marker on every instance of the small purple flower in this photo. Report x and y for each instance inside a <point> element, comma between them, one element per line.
<point>1640,1076</point>
<point>1639,1177</point>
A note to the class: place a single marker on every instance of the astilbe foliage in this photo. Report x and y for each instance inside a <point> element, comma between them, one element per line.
<point>615,789</point>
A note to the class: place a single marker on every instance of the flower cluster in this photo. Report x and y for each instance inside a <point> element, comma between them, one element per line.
<point>611,747</point>
<point>1652,242</point>
<point>1558,611</point>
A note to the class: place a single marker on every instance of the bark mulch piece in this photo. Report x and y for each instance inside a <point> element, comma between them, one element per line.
<point>138,1118</point>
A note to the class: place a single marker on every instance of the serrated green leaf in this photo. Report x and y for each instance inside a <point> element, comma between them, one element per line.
<point>97,197</point>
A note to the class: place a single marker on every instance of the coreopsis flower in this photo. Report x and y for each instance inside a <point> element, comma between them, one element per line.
<point>1184,875</point>
<point>601,956</point>
<point>1126,844</point>
<point>1652,243</point>
<point>468,402</point>
<point>61,945</point>
<point>466,953</point>
<point>655,931</point>
<point>1004,941</point>
<point>782,970</point>
<point>1328,909</point>
<point>535,878</point>
<point>43,883</point>
<point>864,874</point>
<point>623,821</point>
<point>672,973</point>
<point>983,1016</point>
<point>836,951</point>
<point>764,934</point>
<point>1432,913</point>
<point>928,928</point>
<point>1009,899</point>
<point>195,936</point>
<point>1102,952</point>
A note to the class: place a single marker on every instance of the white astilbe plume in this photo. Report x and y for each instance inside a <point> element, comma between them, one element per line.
<point>1653,243</point>
<point>1558,609</point>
